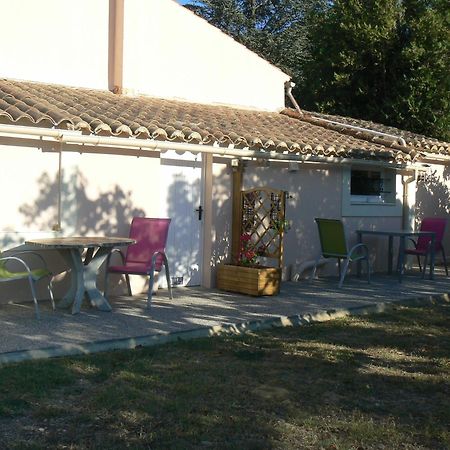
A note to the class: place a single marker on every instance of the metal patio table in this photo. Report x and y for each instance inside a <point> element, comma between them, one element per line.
<point>402,235</point>
<point>84,272</point>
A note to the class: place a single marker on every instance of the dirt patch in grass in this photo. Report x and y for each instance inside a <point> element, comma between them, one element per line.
<point>376,382</point>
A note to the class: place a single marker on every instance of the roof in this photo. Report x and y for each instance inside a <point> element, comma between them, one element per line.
<point>417,141</point>
<point>104,113</point>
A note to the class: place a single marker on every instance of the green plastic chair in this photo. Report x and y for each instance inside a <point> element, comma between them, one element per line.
<point>334,245</point>
<point>32,275</point>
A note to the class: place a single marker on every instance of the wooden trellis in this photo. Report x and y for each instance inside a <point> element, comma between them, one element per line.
<point>263,218</point>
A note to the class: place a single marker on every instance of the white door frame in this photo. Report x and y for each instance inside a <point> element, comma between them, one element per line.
<point>206,237</point>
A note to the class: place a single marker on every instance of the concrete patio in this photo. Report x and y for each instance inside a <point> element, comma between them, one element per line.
<point>193,312</point>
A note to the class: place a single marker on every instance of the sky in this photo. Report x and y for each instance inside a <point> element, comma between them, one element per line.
<point>183,2</point>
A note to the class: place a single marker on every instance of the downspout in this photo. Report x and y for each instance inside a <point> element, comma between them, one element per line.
<point>288,85</point>
<point>407,216</point>
<point>57,226</point>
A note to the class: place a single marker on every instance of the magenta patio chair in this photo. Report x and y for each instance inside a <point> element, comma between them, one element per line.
<point>422,247</point>
<point>146,256</point>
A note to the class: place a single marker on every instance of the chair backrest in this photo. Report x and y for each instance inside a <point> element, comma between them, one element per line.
<point>150,236</point>
<point>436,224</point>
<point>332,238</point>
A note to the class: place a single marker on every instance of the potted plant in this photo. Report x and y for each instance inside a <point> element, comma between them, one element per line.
<point>248,276</point>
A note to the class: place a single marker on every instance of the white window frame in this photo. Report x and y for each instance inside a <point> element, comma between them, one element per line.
<point>370,206</point>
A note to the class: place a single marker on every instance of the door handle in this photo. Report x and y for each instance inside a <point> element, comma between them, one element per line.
<point>200,212</point>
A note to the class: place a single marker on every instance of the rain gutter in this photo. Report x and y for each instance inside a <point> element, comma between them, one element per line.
<point>81,143</point>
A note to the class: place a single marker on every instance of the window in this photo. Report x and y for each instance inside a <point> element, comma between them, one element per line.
<point>371,192</point>
<point>366,182</point>
<point>372,186</point>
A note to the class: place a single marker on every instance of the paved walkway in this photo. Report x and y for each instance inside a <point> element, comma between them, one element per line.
<point>192,308</point>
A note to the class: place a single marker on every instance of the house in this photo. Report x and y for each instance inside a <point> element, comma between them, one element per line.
<point>117,108</point>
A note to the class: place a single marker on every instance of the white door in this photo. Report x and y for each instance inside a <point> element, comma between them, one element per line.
<point>182,173</point>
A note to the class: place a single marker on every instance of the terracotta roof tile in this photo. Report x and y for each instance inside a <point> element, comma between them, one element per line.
<point>416,141</point>
<point>97,111</point>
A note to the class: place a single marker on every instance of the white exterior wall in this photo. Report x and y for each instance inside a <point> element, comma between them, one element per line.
<point>55,41</point>
<point>100,196</point>
<point>433,198</point>
<point>170,52</point>
<point>317,192</point>
<point>101,193</point>
<point>222,208</point>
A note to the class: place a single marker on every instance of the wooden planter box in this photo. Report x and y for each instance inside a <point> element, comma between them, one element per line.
<point>249,280</point>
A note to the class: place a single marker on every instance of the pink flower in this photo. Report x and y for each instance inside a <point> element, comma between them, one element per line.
<point>248,254</point>
<point>245,237</point>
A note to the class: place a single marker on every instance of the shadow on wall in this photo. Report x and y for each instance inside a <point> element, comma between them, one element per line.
<point>433,199</point>
<point>314,192</point>
<point>108,214</point>
<point>183,252</point>
<point>433,195</point>
<point>222,207</point>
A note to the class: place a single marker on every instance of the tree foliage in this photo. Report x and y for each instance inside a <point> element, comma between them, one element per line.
<point>382,60</point>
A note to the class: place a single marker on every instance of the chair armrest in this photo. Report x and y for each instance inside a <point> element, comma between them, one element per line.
<point>413,241</point>
<point>115,250</point>
<point>30,252</point>
<point>20,261</point>
<point>154,256</point>
<point>359,246</point>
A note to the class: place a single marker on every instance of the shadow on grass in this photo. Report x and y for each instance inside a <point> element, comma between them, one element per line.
<point>358,382</point>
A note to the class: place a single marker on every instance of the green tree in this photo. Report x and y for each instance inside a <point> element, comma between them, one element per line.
<point>424,101</point>
<point>383,60</point>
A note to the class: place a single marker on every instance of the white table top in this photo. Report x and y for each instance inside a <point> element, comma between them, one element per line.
<point>81,242</point>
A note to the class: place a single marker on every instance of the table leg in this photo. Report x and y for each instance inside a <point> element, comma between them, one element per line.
<point>89,255</point>
<point>358,263</point>
<point>76,289</point>
<point>78,275</point>
<point>390,254</point>
<point>90,280</point>
<point>401,258</point>
<point>432,255</point>
<point>83,281</point>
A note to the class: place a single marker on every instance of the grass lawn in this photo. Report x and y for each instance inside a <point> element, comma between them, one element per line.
<point>375,382</point>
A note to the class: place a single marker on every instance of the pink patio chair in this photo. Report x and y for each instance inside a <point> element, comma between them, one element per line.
<point>422,246</point>
<point>146,256</point>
